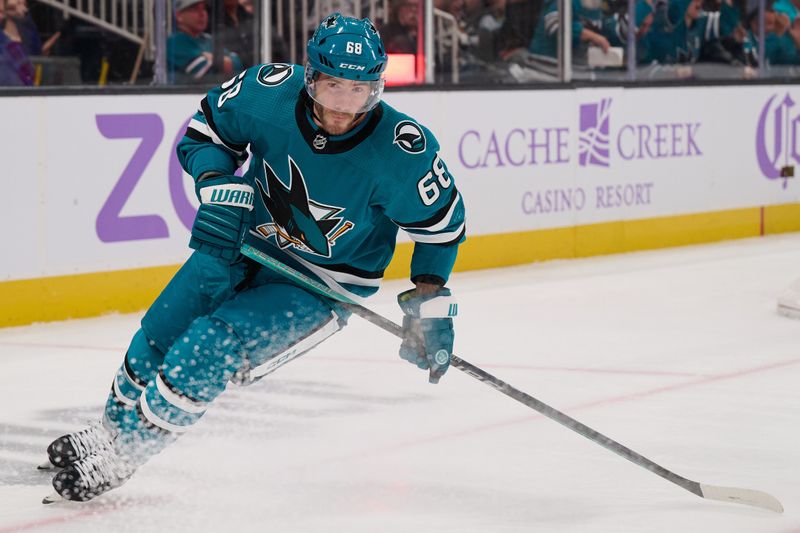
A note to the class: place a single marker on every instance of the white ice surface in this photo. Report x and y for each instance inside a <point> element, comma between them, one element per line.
<point>679,354</point>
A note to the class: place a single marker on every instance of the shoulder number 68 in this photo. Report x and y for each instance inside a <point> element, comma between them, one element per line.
<point>428,186</point>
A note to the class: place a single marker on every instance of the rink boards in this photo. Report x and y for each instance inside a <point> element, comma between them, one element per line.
<point>100,209</point>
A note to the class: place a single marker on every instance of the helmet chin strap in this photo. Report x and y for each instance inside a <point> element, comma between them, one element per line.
<point>313,108</point>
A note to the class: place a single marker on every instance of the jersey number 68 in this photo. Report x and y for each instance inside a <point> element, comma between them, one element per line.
<point>428,186</point>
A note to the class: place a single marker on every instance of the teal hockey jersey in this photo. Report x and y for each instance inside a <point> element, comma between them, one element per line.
<point>331,205</point>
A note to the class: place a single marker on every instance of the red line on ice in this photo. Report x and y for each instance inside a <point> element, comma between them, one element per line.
<point>595,403</point>
<point>393,361</point>
<point>64,346</point>
<point>54,520</point>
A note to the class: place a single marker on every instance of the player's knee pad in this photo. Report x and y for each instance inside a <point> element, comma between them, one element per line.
<point>201,361</point>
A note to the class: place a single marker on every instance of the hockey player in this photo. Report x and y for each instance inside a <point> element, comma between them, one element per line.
<point>334,173</point>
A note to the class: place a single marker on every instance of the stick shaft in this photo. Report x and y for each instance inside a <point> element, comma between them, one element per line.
<point>758,498</point>
<point>537,405</point>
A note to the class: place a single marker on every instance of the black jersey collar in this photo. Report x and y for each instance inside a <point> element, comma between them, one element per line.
<point>320,141</point>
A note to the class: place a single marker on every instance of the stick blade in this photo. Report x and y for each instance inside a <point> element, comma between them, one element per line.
<point>756,498</point>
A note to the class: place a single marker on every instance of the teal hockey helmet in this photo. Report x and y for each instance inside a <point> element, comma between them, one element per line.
<point>350,49</point>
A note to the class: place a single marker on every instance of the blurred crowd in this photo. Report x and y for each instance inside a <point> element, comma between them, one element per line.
<point>484,40</point>
<point>47,47</point>
<point>521,37</point>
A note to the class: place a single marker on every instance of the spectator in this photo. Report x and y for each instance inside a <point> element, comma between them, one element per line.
<point>780,47</point>
<point>21,28</point>
<point>727,47</point>
<point>787,8</point>
<point>15,67</point>
<point>490,28</point>
<point>586,29</point>
<point>617,27</point>
<point>400,34</point>
<point>238,35</point>
<point>521,17</point>
<point>79,38</point>
<point>189,49</point>
<point>240,30</point>
<point>684,32</point>
<point>730,46</point>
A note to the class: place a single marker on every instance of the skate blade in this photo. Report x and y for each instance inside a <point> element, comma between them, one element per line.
<point>789,312</point>
<point>52,498</point>
<point>47,465</point>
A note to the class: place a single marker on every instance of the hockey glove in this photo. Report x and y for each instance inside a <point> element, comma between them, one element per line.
<point>428,330</point>
<point>226,203</point>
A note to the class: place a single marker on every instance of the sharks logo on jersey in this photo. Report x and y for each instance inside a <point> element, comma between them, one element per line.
<point>297,220</point>
<point>409,137</point>
<point>275,74</point>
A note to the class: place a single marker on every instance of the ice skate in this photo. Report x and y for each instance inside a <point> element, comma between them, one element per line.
<point>90,477</point>
<point>72,447</point>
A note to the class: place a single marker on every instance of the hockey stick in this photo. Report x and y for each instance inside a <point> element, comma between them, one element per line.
<point>755,498</point>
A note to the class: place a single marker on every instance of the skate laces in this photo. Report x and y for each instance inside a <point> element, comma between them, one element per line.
<point>102,468</point>
<point>88,440</point>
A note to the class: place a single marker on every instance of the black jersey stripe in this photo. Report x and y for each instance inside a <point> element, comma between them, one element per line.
<point>207,113</point>
<point>198,136</point>
<point>177,392</point>
<point>432,220</point>
<point>448,243</point>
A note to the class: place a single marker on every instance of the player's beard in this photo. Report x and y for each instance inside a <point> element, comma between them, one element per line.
<point>335,122</point>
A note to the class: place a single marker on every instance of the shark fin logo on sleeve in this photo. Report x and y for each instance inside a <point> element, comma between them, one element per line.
<point>274,74</point>
<point>296,220</point>
<point>409,137</point>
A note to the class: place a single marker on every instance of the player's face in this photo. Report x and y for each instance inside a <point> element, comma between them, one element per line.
<point>339,101</point>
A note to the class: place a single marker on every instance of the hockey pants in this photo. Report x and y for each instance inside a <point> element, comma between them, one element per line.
<point>212,324</point>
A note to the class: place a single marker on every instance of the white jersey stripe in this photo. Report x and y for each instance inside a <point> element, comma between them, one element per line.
<point>130,379</point>
<point>159,422</point>
<point>181,402</point>
<point>444,222</point>
<point>437,238</point>
<point>205,129</point>
<point>121,397</point>
<point>331,276</point>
